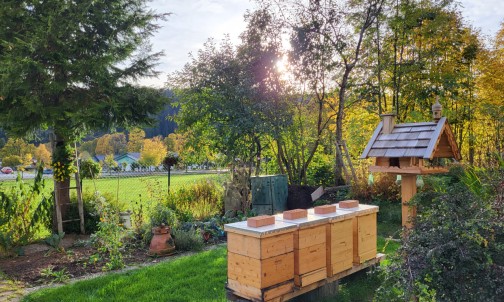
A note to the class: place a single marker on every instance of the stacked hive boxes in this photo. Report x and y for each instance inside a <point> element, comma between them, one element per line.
<point>364,229</point>
<point>268,255</point>
<point>339,238</point>
<point>260,259</point>
<point>309,246</point>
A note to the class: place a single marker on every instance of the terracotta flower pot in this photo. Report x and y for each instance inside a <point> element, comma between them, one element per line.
<point>162,243</point>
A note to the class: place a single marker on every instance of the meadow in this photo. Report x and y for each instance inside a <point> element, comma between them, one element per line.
<point>128,188</point>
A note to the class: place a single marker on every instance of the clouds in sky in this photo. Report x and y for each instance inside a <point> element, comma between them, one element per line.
<point>195,21</point>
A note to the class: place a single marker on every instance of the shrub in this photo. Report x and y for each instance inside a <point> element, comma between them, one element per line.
<point>189,240</point>
<point>91,215</point>
<point>161,214</point>
<point>384,188</point>
<point>454,251</point>
<point>108,237</point>
<point>202,199</point>
<point>321,171</point>
<point>24,211</point>
<point>89,169</point>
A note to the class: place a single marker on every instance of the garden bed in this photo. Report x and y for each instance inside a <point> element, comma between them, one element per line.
<point>74,261</point>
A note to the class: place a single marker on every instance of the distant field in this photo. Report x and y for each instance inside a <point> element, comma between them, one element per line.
<point>128,188</point>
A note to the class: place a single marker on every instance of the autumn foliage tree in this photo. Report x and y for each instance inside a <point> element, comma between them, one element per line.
<point>153,152</point>
<point>135,140</point>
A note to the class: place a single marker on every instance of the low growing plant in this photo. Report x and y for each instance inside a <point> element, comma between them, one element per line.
<point>188,240</point>
<point>52,276</point>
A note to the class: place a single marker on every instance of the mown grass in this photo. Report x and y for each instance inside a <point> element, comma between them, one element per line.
<point>200,277</point>
<point>129,188</point>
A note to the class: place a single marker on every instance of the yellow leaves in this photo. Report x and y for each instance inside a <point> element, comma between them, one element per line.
<point>153,152</point>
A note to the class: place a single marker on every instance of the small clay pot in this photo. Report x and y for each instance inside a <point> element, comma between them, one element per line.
<point>162,243</point>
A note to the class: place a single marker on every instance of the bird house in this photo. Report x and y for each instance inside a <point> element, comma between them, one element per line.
<point>412,148</point>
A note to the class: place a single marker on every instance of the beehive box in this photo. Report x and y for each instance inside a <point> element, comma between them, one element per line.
<point>339,241</point>
<point>364,231</point>
<point>260,260</point>
<point>309,249</point>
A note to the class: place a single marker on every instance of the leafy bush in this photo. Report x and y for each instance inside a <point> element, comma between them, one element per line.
<point>189,240</point>
<point>202,200</point>
<point>454,251</point>
<point>161,214</point>
<point>384,188</point>
<point>91,215</point>
<point>108,237</point>
<point>321,171</point>
<point>24,211</point>
<point>90,169</point>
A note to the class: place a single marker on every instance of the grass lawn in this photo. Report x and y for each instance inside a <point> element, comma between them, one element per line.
<point>199,277</point>
<point>128,188</point>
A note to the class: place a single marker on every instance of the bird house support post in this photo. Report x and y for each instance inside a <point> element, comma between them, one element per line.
<point>408,190</point>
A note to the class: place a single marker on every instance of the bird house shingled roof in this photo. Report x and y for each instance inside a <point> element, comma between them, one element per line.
<point>426,140</point>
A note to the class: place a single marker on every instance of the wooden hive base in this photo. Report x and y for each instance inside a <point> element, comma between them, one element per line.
<point>274,292</point>
<point>256,294</point>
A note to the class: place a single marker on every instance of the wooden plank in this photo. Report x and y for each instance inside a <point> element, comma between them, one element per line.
<point>303,290</point>
<point>317,193</point>
<point>388,137</point>
<point>244,245</point>
<point>420,124</point>
<point>395,152</point>
<point>367,237</point>
<point>277,269</point>
<point>310,258</point>
<point>377,152</point>
<point>260,248</point>
<point>408,136</point>
<point>354,269</point>
<point>310,236</point>
<point>401,129</point>
<point>371,141</point>
<point>310,278</point>
<point>425,135</point>
<point>278,245</point>
<point>340,247</point>
<point>260,273</point>
<point>256,294</point>
<point>429,152</point>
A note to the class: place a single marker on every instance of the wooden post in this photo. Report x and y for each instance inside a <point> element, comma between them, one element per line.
<point>408,189</point>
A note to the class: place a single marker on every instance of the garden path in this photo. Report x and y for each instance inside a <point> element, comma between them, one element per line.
<point>10,291</point>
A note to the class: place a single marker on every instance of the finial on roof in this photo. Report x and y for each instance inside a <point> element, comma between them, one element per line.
<point>436,110</point>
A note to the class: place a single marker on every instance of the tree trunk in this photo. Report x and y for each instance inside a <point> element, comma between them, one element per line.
<point>61,188</point>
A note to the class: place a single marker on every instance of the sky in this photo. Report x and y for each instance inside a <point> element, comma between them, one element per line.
<point>195,21</point>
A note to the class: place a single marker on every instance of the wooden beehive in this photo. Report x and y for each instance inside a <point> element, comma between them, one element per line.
<point>364,231</point>
<point>309,249</point>
<point>260,260</point>
<point>339,241</point>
